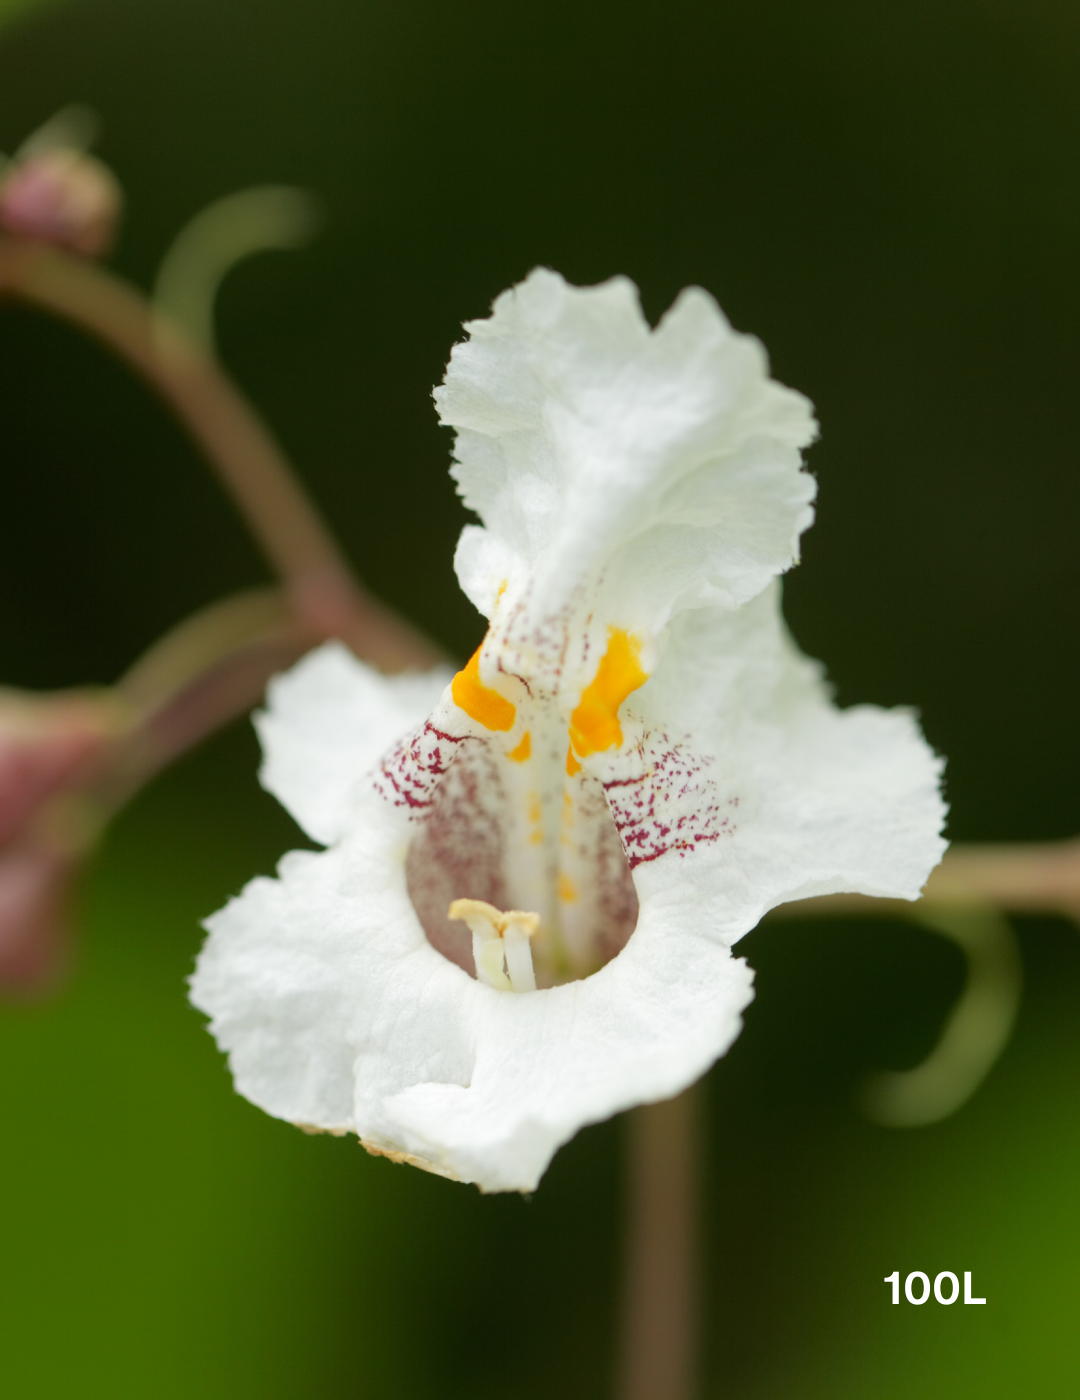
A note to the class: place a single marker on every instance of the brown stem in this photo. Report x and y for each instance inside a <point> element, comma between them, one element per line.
<point>658,1358</point>
<point>211,669</point>
<point>207,671</point>
<point>1030,878</point>
<point>248,461</point>
<point>1042,877</point>
<point>202,641</point>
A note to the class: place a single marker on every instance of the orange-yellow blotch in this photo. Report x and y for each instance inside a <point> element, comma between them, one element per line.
<point>479,701</point>
<point>572,765</point>
<point>594,725</point>
<point>567,889</point>
<point>536,812</point>
<point>566,826</point>
<point>523,750</point>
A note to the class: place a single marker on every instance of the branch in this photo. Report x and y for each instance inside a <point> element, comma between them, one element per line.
<point>248,462</point>
<point>660,1304</point>
<point>1024,878</point>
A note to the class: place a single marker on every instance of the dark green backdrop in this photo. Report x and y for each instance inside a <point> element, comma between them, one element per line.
<point>889,195</point>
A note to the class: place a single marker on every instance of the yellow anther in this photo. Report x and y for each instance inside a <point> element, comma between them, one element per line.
<point>500,943</point>
<point>489,922</point>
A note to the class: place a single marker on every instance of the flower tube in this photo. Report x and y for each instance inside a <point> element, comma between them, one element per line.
<point>536,868</point>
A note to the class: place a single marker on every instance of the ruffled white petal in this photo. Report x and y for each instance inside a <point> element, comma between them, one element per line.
<point>326,724</point>
<point>800,798</point>
<point>666,461</point>
<point>338,1014</point>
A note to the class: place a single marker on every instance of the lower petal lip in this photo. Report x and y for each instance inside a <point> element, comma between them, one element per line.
<point>470,1080</point>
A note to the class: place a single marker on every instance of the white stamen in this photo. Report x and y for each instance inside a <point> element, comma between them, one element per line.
<point>491,963</point>
<point>501,948</point>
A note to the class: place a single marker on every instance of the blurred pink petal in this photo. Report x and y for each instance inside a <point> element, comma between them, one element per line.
<point>62,196</point>
<point>35,884</point>
<point>46,744</point>
<point>51,746</point>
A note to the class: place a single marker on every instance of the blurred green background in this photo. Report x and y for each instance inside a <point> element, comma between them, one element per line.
<point>889,196</point>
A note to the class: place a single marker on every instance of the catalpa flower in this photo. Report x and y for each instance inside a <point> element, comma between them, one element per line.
<point>536,868</point>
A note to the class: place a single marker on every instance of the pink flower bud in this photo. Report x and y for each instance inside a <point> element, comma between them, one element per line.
<point>47,743</point>
<point>51,748</point>
<point>35,884</point>
<point>62,196</point>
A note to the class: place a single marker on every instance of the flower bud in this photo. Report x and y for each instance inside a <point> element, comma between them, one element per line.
<point>35,884</point>
<point>47,743</point>
<point>62,196</point>
<point>51,748</point>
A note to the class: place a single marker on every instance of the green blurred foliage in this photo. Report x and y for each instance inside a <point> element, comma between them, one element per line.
<point>14,9</point>
<point>888,196</point>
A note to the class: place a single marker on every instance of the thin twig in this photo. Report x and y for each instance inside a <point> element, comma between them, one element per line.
<point>1028,878</point>
<point>248,461</point>
<point>208,671</point>
<point>658,1359</point>
<point>200,642</point>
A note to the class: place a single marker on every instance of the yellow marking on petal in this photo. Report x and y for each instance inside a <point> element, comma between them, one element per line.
<point>565,839</point>
<point>567,889</point>
<point>594,725</point>
<point>572,765</point>
<point>478,700</point>
<point>536,817</point>
<point>523,750</point>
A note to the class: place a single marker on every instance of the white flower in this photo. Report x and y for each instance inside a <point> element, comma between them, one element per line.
<point>634,767</point>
